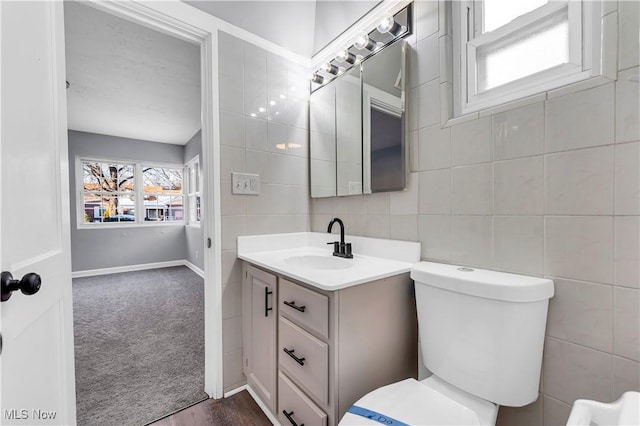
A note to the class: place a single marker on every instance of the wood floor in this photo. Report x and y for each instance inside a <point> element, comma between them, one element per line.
<point>237,410</point>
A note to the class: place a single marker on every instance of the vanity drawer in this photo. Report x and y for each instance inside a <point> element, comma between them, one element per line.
<point>305,358</point>
<point>305,307</point>
<point>299,409</point>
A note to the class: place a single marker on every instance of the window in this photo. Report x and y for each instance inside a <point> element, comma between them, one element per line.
<point>163,195</point>
<point>108,192</point>
<point>129,193</point>
<point>193,191</point>
<point>505,50</point>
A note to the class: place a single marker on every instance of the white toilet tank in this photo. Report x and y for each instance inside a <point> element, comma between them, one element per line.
<point>483,331</point>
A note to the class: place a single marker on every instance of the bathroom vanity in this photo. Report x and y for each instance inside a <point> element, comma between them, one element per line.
<point>321,331</point>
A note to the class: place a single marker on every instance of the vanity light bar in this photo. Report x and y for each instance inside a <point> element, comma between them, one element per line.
<point>363,47</point>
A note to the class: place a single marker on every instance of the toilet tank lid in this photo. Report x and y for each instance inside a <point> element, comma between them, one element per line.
<point>482,283</point>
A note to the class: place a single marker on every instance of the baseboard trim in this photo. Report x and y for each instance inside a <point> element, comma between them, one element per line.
<point>263,407</point>
<point>131,268</point>
<point>235,391</point>
<point>194,268</point>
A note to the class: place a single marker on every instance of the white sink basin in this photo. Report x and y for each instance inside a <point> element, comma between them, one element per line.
<point>305,256</point>
<point>625,411</point>
<point>314,261</point>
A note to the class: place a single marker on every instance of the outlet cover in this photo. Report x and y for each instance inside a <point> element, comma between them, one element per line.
<point>245,184</point>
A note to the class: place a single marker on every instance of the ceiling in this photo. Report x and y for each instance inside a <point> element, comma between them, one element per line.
<point>300,26</point>
<point>130,81</point>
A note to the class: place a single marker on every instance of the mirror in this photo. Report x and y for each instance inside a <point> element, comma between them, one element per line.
<point>383,120</point>
<point>357,128</point>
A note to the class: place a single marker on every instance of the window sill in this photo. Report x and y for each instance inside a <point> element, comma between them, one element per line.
<point>115,225</point>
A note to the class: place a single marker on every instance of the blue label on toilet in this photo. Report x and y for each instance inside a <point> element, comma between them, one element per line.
<point>376,417</point>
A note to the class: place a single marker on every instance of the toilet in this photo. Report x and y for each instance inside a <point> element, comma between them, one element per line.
<point>481,336</point>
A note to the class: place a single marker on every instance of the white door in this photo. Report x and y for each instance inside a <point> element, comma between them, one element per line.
<point>36,364</point>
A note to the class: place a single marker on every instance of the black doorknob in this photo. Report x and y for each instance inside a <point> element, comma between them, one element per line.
<point>29,284</point>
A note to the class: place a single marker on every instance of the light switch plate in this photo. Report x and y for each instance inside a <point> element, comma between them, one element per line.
<point>245,184</point>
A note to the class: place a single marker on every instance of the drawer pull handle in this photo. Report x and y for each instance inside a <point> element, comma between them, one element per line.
<point>266,301</point>
<point>295,358</point>
<point>289,417</point>
<point>293,305</point>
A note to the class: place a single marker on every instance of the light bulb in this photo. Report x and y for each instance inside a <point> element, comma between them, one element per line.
<point>330,68</point>
<point>346,56</point>
<point>361,42</point>
<point>389,25</point>
<point>317,78</point>
<point>364,42</point>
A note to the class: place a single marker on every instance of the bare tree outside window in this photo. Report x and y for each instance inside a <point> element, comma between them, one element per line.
<point>110,192</point>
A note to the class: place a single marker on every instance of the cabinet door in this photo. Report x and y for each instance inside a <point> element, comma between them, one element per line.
<point>260,300</point>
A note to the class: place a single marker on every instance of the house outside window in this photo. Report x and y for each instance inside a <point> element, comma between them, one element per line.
<point>126,193</point>
<point>163,194</point>
<point>506,50</point>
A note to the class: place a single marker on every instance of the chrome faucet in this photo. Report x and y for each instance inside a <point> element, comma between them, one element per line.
<point>340,248</point>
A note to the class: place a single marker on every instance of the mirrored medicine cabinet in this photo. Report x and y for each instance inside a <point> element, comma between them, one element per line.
<point>358,128</point>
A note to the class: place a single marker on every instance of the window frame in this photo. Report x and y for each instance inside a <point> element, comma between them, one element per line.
<point>585,28</point>
<point>197,193</point>
<point>138,194</point>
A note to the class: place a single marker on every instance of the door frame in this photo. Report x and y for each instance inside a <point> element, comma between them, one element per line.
<point>179,20</point>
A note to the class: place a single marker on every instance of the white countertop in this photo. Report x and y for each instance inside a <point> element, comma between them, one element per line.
<point>287,254</point>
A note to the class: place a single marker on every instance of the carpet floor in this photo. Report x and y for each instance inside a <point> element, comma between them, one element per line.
<point>139,345</point>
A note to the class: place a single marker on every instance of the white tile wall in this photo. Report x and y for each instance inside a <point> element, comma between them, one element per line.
<point>425,67</point>
<point>250,78</point>
<point>575,372</point>
<point>580,119</point>
<point>626,376</point>
<point>626,322</point>
<point>519,132</point>
<point>405,202</point>
<point>554,413</point>
<point>627,251</point>
<point>519,186</point>
<point>518,244</point>
<point>579,247</point>
<point>582,313</point>
<point>434,232</point>
<point>627,106</point>
<point>629,20</point>
<point>472,189</point>
<point>471,142</point>
<point>428,104</point>
<point>580,182</point>
<point>471,240</point>
<point>627,179</point>
<point>435,192</point>
<point>434,148</point>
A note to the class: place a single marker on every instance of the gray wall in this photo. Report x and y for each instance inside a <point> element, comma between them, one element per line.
<point>194,235</point>
<point>556,196</point>
<point>107,248</point>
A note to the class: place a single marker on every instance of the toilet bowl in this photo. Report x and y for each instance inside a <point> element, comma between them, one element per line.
<point>426,402</point>
<point>481,335</point>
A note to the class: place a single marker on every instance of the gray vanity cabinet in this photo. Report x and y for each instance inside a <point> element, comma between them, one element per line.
<point>332,346</point>
<point>259,299</point>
